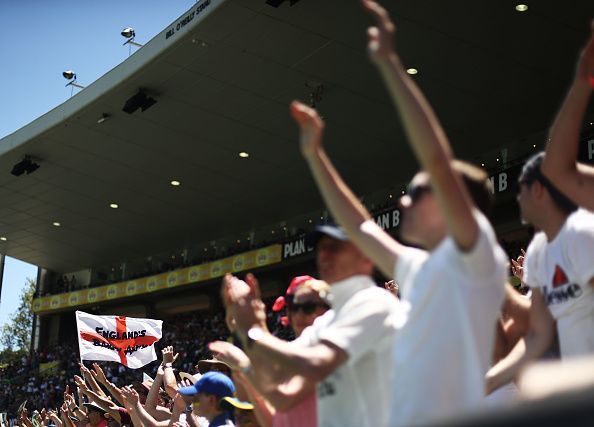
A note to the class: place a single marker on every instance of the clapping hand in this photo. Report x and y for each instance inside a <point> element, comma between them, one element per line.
<point>517,266</point>
<point>243,303</point>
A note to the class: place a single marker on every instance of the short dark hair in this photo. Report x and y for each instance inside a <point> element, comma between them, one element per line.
<point>531,172</point>
<point>478,185</point>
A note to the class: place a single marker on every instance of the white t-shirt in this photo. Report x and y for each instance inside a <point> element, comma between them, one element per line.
<point>561,270</point>
<point>362,322</point>
<point>442,353</point>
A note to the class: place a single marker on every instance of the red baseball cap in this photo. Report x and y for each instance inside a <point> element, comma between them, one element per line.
<point>281,302</point>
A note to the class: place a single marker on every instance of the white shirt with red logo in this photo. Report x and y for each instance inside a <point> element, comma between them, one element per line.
<point>562,270</point>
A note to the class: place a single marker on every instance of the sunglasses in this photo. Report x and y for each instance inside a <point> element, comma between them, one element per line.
<point>306,307</point>
<point>415,192</point>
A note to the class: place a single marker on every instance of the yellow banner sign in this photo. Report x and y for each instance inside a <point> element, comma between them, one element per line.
<point>185,276</point>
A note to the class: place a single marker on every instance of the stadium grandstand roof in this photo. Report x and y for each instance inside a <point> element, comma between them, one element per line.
<point>223,75</point>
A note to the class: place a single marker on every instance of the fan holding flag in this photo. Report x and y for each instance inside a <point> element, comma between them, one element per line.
<point>127,340</point>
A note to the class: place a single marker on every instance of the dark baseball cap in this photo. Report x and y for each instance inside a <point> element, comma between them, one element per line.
<point>329,229</point>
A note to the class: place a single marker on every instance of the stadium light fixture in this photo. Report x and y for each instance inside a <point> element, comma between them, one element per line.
<point>56,224</point>
<point>71,76</point>
<point>412,71</point>
<point>521,7</point>
<point>26,165</point>
<point>277,3</point>
<point>175,183</point>
<point>244,155</point>
<point>140,100</point>
<point>114,205</point>
<point>103,117</point>
<point>4,239</point>
<point>130,34</point>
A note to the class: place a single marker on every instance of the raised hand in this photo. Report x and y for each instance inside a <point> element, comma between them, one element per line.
<point>81,384</point>
<point>234,290</point>
<point>168,356</point>
<point>65,410</point>
<point>130,397</point>
<point>311,127</point>
<point>381,36</point>
<point>242,302</point>
<point>24,420</point>
<point>43,415</point>
<point>392,287</point>
<point>66,391</point>
<point>52,415</point>
<point>98,374</point>
<point>517,266</point>
<point>85,371</point>
<point>585,67</point>
<point>69,401</point>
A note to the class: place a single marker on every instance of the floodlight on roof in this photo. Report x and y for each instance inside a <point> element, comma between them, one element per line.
<point>71,76</point>
<point>129,33</point>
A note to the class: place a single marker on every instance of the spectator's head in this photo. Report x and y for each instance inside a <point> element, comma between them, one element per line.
<point>306,304</point>
<point>243,411</point>
<point>336,257</point>
<point>423,223</point>
<point>94,413</point>
<point>281,302</point>
<point>207,392</point>
<point>537,196</point>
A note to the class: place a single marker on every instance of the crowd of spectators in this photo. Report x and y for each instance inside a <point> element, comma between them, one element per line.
<point>39,381</point>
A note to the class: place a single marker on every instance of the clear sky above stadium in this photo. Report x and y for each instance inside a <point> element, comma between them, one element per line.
<point>40,39</point>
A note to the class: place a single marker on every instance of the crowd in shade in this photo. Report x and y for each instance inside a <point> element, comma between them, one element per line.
<point>448,338</point>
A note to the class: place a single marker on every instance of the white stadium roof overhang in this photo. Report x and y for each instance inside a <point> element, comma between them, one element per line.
<point>223,75</point>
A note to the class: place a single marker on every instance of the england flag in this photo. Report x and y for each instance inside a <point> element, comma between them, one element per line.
<point>128,340</point>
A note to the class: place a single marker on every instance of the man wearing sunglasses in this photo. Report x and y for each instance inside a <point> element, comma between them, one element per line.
<point>455,286</point>
<point>347,351</point>
<point>558,268</point>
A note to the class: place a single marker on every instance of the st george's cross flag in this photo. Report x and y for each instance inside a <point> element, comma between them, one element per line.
<point>128,340</point>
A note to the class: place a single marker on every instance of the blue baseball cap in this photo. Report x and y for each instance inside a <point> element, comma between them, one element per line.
<point>215,383</point>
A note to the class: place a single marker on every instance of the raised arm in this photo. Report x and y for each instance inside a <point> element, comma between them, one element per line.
<point>137,411</point>
<point>100,377</point>
<point>533,345</point>
<point>102,401</point>
<point>313,363</point>
<point>424,131</point>
<point>379,246</point>
<point>560,163</point>
<point>90,379</point>
<point>252,373</point>
<point>169,380</point>
<point>160,413</point>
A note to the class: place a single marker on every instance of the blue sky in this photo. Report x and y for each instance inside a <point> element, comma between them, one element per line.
<point>39,39</point>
